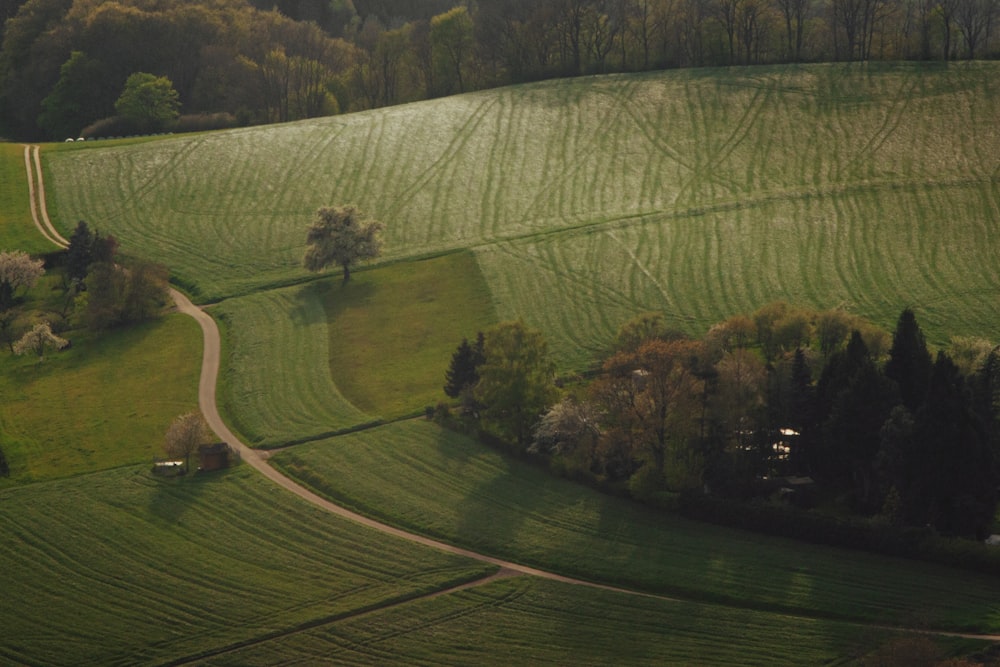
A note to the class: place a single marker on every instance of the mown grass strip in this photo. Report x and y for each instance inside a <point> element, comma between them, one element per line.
<point>528,621</point>
<point>418,476</point>
<point>276,385</point>
<point>123,568</point>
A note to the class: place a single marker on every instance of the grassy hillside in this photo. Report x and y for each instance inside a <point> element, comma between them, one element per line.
<point>120,568</point>
<point>436,482</point>
<point>701,193</point>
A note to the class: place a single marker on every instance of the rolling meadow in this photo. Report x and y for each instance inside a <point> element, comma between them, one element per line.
<point>572,204</point>
<point>698,193</point>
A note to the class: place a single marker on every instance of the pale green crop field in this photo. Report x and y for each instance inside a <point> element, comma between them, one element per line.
<point>122,568</point>
<point>433,481</point>
<point>702,193</point>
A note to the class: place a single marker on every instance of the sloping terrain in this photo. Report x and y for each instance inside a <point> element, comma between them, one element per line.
<point>701,193</point>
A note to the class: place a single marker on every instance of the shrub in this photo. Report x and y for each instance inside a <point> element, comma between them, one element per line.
<point>114,126</point>
<point>203,122</point>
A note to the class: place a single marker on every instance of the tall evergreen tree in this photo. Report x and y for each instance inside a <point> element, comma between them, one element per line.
<point>853,402</point>
<point>463,372</point>
<point>79,255</point>
<point>909,362</point>
<point>952,484</point>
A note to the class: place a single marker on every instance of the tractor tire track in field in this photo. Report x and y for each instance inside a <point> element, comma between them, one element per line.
<point>36,194</point>
<point>211,356</point>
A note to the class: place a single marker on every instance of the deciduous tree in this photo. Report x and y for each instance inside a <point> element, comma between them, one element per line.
<point>341,235</point>
<point>651,402</point>
<point>118,295</point>
<point>516,380</point>
<point>184,435</point>
<point>148,101</point>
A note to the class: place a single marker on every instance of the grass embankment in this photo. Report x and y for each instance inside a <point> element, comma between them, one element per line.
<point>433,481</point>
<point>701,193</point>
<point>393,332</point>
<point>533,622</point>
<point>121,568</point>
<point>326,357</point>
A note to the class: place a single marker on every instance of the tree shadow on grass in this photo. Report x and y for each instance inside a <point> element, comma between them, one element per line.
<point>174,496</point>
<point>310,303</point>
<point>484,517</point>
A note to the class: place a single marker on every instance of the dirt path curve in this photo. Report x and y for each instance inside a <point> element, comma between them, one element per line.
<point>36,193</point>
<point>207,403</point>
<point>206,400</point>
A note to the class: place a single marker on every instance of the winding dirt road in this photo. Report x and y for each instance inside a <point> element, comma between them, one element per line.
<point>206,401</point>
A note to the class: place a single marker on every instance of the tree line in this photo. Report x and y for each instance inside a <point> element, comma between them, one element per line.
<point>821,408</point>
<point>64,63</point>
<point>98,290</point>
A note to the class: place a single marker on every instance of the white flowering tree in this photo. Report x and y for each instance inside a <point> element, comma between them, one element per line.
<point>341,236</point>
<point>38,339</point>
<point>17,271</point>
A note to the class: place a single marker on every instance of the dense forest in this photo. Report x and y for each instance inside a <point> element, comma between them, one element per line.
<point>64,63</point>
<point>822,408</point>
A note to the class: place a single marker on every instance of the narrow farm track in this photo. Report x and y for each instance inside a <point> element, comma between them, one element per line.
<point>211,357</point>
<point>206,400</point>
<point>36,194</point>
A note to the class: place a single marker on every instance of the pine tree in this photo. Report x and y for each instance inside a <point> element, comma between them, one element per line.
<point>909,361</point>
<point>463,372</point>
<point>79,254</point>
<point>952,484</point>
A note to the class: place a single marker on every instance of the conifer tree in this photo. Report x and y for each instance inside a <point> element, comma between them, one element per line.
<point>909,361</point>
<point>463,371</point>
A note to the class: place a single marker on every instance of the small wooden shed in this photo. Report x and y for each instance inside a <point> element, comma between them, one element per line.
<point>213,457</point>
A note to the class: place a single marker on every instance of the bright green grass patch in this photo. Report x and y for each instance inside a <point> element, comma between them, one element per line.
<point>528,621</point>
<point>419,476</point>
<point>17,231</point>
<point>315,359</point>
<point>121,568</point>
<point>702,192</point>
<point>393,331</point>
<point>276,383</point>
<point>106,402</point>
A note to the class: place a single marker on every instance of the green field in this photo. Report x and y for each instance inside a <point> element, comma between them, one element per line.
<point>17,231</point>
<point>532,622</point>
<point>572,204</point>
<point>315,359</point>
<point>702,193</point>
<point>121,568</point>
<point>435,482</point>
<point>104,403</point>
<point>276,385</point>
